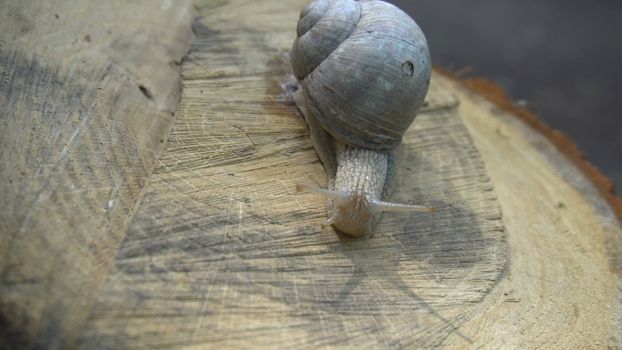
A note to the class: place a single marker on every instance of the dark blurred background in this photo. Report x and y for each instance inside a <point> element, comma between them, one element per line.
<point>563,58</point>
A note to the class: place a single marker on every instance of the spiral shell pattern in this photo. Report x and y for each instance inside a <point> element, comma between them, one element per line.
<point>364,69</point>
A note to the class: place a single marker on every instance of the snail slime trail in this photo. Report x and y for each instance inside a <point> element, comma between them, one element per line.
<point>341,46</point>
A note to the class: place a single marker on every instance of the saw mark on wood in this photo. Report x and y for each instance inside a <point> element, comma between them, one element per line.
<point>79,141</point>
<point>220,207</point>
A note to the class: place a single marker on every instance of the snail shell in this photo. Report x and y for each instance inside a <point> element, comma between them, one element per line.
<point>364,69</point>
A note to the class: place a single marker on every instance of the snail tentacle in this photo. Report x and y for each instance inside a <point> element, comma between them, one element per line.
<point>363,69</point>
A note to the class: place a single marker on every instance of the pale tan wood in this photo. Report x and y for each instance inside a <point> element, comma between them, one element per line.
<point>222,253</point>
<point>561,289</point>
<point>246,258</point>
<point>88,90</point>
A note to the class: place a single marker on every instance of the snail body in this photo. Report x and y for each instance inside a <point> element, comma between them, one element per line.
<point>363,69</point>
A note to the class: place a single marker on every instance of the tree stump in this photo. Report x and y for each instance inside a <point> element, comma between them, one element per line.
<point>150,202</point>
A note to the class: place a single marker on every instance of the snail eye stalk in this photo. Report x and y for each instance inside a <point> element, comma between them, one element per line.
<point>375,206</point>
<point>380,206</point>
<point>332,220</point>
<point>339,196</point>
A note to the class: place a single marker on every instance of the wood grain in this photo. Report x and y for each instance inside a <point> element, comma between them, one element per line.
<point>125,226</point>
<point>87,97</point>
<point>561,289</point>
<point>224,253</point>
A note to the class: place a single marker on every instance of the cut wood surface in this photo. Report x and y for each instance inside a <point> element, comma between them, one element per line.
<point>222,225</point>
<point>88,90</point>
<point>112,238</point>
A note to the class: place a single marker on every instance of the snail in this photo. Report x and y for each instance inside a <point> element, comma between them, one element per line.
<point>363,70</point>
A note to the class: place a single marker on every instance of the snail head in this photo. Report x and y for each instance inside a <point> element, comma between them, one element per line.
<point>354,212</point>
